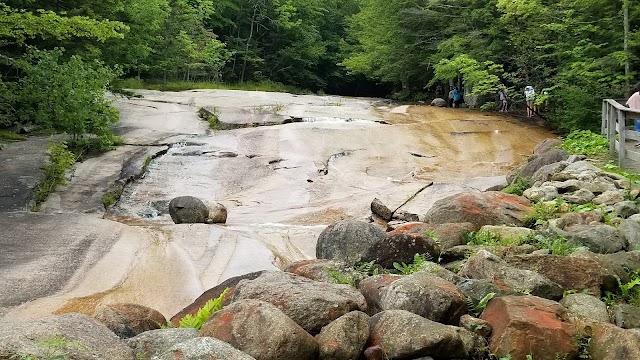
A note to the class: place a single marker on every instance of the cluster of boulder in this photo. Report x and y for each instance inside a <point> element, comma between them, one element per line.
<point>357,300</point>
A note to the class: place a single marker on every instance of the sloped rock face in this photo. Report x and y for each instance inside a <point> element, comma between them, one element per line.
<point>484,265</point>
<point>203,348</point>
<point>347,241</point>
<point>528,325</point>
<point>570,273</point>
<point>311,304</point>
<point>344,338</point>
<point>129,320</point>
<point>488,208</point>
<point>420,293</point>
<point>213,293</point>
<point>610,342</point>
<point>188,210</point>
<point>401,248</point>
<point>404,335</point>
<point>241,325</point>
<point>87,338</point>
<point>155,342</point>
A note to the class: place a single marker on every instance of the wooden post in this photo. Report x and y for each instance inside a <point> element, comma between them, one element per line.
<point>622,120</point>
<point>603,127</point>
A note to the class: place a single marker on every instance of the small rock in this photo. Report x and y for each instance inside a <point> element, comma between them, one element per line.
<point>241,324</point>
<point>403,215</point>
<point>347,241</point>
<point>318,270</point>
<point>188,209</point>
<point>546,145</point>
<point>575,218</point>
<point>217,213</point>
<point>439,102</point>
<point>203,348</point>
<point>580,197</point>
<point>380,209</point>
<point>447,235</point>
<point>374,353</point>
<point>345,337</point>
<point>129,320</point>
<point>542,193</point>
<point>476,289</point>
<point>546,172</point>
<point>582,170</point>
<point>401,248</point>
<point>541,159</point>
<point>627,316</point>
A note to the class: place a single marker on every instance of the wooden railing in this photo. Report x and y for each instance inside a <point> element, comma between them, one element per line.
<point>614,125</point>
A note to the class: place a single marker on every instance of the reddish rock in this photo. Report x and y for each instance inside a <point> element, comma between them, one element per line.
<point>401,248</point>
<point>213,293</point>
<point>528,325</point>
<point>610,342</point>
<point>569,272</point>
<point>262,331</point>
<point>421,293</point>
<point>317,269</point>
<point>480,208</point>
<point>447,235</point>
<point>129,320</point>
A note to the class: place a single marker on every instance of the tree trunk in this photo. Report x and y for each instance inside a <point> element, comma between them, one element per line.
<point>246,50</point>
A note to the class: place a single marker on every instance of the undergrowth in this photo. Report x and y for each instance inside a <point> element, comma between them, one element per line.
<point>55,348</point>
<point>517,187</point>
<point>210,307</point>
<point>420,262</point>
<point>586,142</point>
<point>354,275</point>
<point>628,292</point>
<point>60,161</point>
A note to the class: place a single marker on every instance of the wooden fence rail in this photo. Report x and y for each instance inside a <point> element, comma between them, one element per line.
<point>614,125</point>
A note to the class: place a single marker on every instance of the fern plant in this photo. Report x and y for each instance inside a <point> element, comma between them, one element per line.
<point>477,309</point>
<point>419,263</point>
<point>204,313</point>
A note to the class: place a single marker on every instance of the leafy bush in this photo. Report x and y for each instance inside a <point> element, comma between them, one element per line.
<point>586,142</point>
<point>628,292</point>
<point>60,160</point>
<point>576,108</point>
<point>203,314</point>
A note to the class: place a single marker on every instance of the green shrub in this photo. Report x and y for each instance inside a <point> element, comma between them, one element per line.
<point>60,160</point>
<point>203,314</point>
<point>585,142</point>
<point>517,187</point>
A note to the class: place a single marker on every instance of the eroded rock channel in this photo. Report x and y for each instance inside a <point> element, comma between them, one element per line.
<point>316,160</point>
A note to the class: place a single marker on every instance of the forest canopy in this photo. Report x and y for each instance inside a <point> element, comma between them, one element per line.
<point>59,57</point>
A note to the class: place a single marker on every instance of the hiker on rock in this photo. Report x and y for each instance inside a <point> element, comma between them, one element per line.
<point>529,95</point>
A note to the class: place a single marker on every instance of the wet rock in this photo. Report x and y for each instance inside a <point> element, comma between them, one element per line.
<point>627,316</point>
<point>344,338</point>
<point>580,197</point>
<point>347,241</point>
<point>380,209</point>
<point>529,325</point>
<point>575,218</point>
<point>610,342</point>
<point>546,172</point>
<point>188,209</point>
<point>311,304</point>
<point>405,335</point>
<point>484,265</point>
<point>448,235</point>
<point>546,145</point>
<point>569,272</point>
<point>439,102</point>
<point>217,213</point>
<point>420,293</point>
<point>86,338</point>
<point>155,342</point>
<point>241,325</point>
<point>488,208</point>
<point>213,293</point>
<point>506,232</point>
<point>603,239</point>
<point>586,308</point>
<point>609,197</point>
<point>401,248</point>
<point>539,160</point>
<point>129,320</point>
<point>478,326</point>
<point>318,270</point>
<point>542,193</point>
<point>625,208</point>
<point>203,348</point>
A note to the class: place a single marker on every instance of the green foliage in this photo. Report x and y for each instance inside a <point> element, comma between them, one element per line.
<point>613,168</point>
<point>517,187</point>
<point>492,238</point>
<point>203,314</point>
<point>481,78</point>
<point>353,276</point>
<point>628,292</point>
<point>542,212</point>
<point>60,161</point>
<point>112,195</point>
<point>476,309</point>
<point>558,245</point>
<point>55,348</point>
<point>586,142</point>
<point>268,86</point>
<point>420,262</point>
<point>11,136</point>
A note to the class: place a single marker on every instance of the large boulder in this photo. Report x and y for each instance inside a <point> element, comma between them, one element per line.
<point>404,335</point>
<point>188,209</point>
<point>546,145</point>
<point>579,218</point>
<point>129,320</point>
<point>401,248</point>
<point>347,241</point>
<point>570,273</point>
<point>420,293</point>
<point>311,304</point>
<point>484,265</point>
<point>580,170</point>
<point>81,338</point>
<point>487,208</point>
<point>610,342</point>
<point>529,325</point>
<point>203,348</point>
<point>262,331</point>
<point>602,239</point>
<point>155,342</point>
<point>213,293</point>
<point>539,160</point>
<point>345,337</point>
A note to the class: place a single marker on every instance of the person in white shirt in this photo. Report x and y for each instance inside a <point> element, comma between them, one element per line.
<point>529,95</point>
<point>634,103</point>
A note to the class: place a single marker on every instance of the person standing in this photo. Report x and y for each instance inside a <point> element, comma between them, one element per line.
<point>529,95</point>
<point>451,97</point>
<point>457,97</point>
<point>634,103</point>
<point>502,93</point>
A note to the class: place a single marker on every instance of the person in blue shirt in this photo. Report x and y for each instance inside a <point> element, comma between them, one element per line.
<point>457,97</point>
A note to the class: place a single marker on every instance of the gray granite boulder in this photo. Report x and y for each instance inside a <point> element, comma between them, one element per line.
<point>347,241</point>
